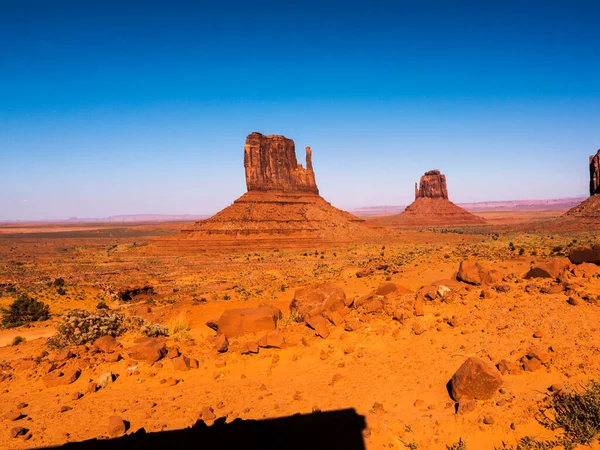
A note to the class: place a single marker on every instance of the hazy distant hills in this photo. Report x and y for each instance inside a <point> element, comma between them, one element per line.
<point>366,211</point>
<point>509,205</point>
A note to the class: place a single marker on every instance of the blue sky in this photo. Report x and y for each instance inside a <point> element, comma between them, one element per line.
<point>143,107</point>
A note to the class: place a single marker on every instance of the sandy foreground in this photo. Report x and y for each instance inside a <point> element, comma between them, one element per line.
<point>393,372</point>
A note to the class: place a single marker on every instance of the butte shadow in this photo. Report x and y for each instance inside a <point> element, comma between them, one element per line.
<point>316,431</point>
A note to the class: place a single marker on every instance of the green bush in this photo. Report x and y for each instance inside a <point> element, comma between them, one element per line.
<point>18,340</point>
<point>25,310</point>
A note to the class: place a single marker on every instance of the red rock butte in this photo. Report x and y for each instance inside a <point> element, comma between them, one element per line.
<point>590,208</point>
<point>282,207</point>
<point>431,207</point>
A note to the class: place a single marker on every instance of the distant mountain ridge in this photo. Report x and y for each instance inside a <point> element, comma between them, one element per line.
<point>507,205</point>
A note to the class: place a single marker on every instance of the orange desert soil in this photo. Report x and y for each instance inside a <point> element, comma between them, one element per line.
<point>392,367</point>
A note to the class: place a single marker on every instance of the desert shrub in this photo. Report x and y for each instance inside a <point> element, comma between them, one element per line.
<point>79,327</point>
<point>18,340</point>
<point>102,305</point>
<point>576,415</point>
<point>25,310</point>
<point>61,291</point>
<point>59,282</point>
<point>154,330</point>
<point>179,326</point>
<point>460,445</point>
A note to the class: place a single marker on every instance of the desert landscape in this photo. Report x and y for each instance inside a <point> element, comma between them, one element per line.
<point>314,225</point>
<point>432,329</point>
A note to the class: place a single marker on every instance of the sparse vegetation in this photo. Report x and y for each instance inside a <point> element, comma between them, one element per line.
<point>576,415</point>
<point>25,310</point>
<point>18,340</point>
<point>460,445</point>
<point>179,327</point>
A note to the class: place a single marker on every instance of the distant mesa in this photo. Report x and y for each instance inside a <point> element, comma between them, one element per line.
<point>431,207</point>
<point>282,206</point>
<point>590,208</point>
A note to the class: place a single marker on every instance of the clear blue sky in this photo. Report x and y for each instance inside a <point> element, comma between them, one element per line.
<point>143,107</point>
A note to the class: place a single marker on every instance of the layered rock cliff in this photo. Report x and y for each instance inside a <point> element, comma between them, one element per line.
<point>595,174</point>
<point>271,165</point>
<point>432,185</point>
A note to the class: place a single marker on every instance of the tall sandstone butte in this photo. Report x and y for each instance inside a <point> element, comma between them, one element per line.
<point>595,174</point>
<point>271,165</point>
<point>590,208</point>
<point>282,207</point>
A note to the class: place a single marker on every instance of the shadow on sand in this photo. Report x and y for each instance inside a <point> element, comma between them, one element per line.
<point>323,430</point>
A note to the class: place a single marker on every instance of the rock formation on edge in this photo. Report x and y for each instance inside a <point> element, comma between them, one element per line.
<point>590,208</point>
<point>282,205</point>
<point>431,206</point>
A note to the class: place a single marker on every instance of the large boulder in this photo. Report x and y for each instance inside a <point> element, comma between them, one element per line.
<point>550,269</point>
<point>237,322</point>
<point>107,344</point>
<point>316,300</point>
<point>469,272</point>
<point>582,255</point>
<point>475,380</point>
<point>149,350</point>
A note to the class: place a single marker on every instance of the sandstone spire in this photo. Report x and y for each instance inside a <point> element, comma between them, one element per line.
<point>271,165</point>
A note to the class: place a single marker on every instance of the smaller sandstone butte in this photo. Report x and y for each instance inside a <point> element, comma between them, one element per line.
<point>432,185</point>
<point>271,165</point>
<point>431,207</point>
<point>590,208</point>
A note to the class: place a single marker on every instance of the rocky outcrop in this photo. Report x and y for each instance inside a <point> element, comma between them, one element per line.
<point>432,185</point>
<point>271,165</point>
<point>595,174</point>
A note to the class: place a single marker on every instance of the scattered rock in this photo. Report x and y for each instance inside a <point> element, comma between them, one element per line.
<point>17,432</point>
<point>582,255</point>
<point>476,380</point>
<point>105,379</point>
<point>507,367</point>
<point>58,378</point>
<point>316,300</point>
<point>532,365</point>
<point>151,350</point>
<point>107,344</point>
<point>488,420</point>
<point>271,340</point>
<point>319,324</point>
<point>466,406</point>
<point>116,426</point>
<point>12,416</point>
<point>238,322</point>
<point>386,288</point>
<point>221,343</point>
<point>551,269</point>
<point>248,348</point>
<point>352,324</point>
